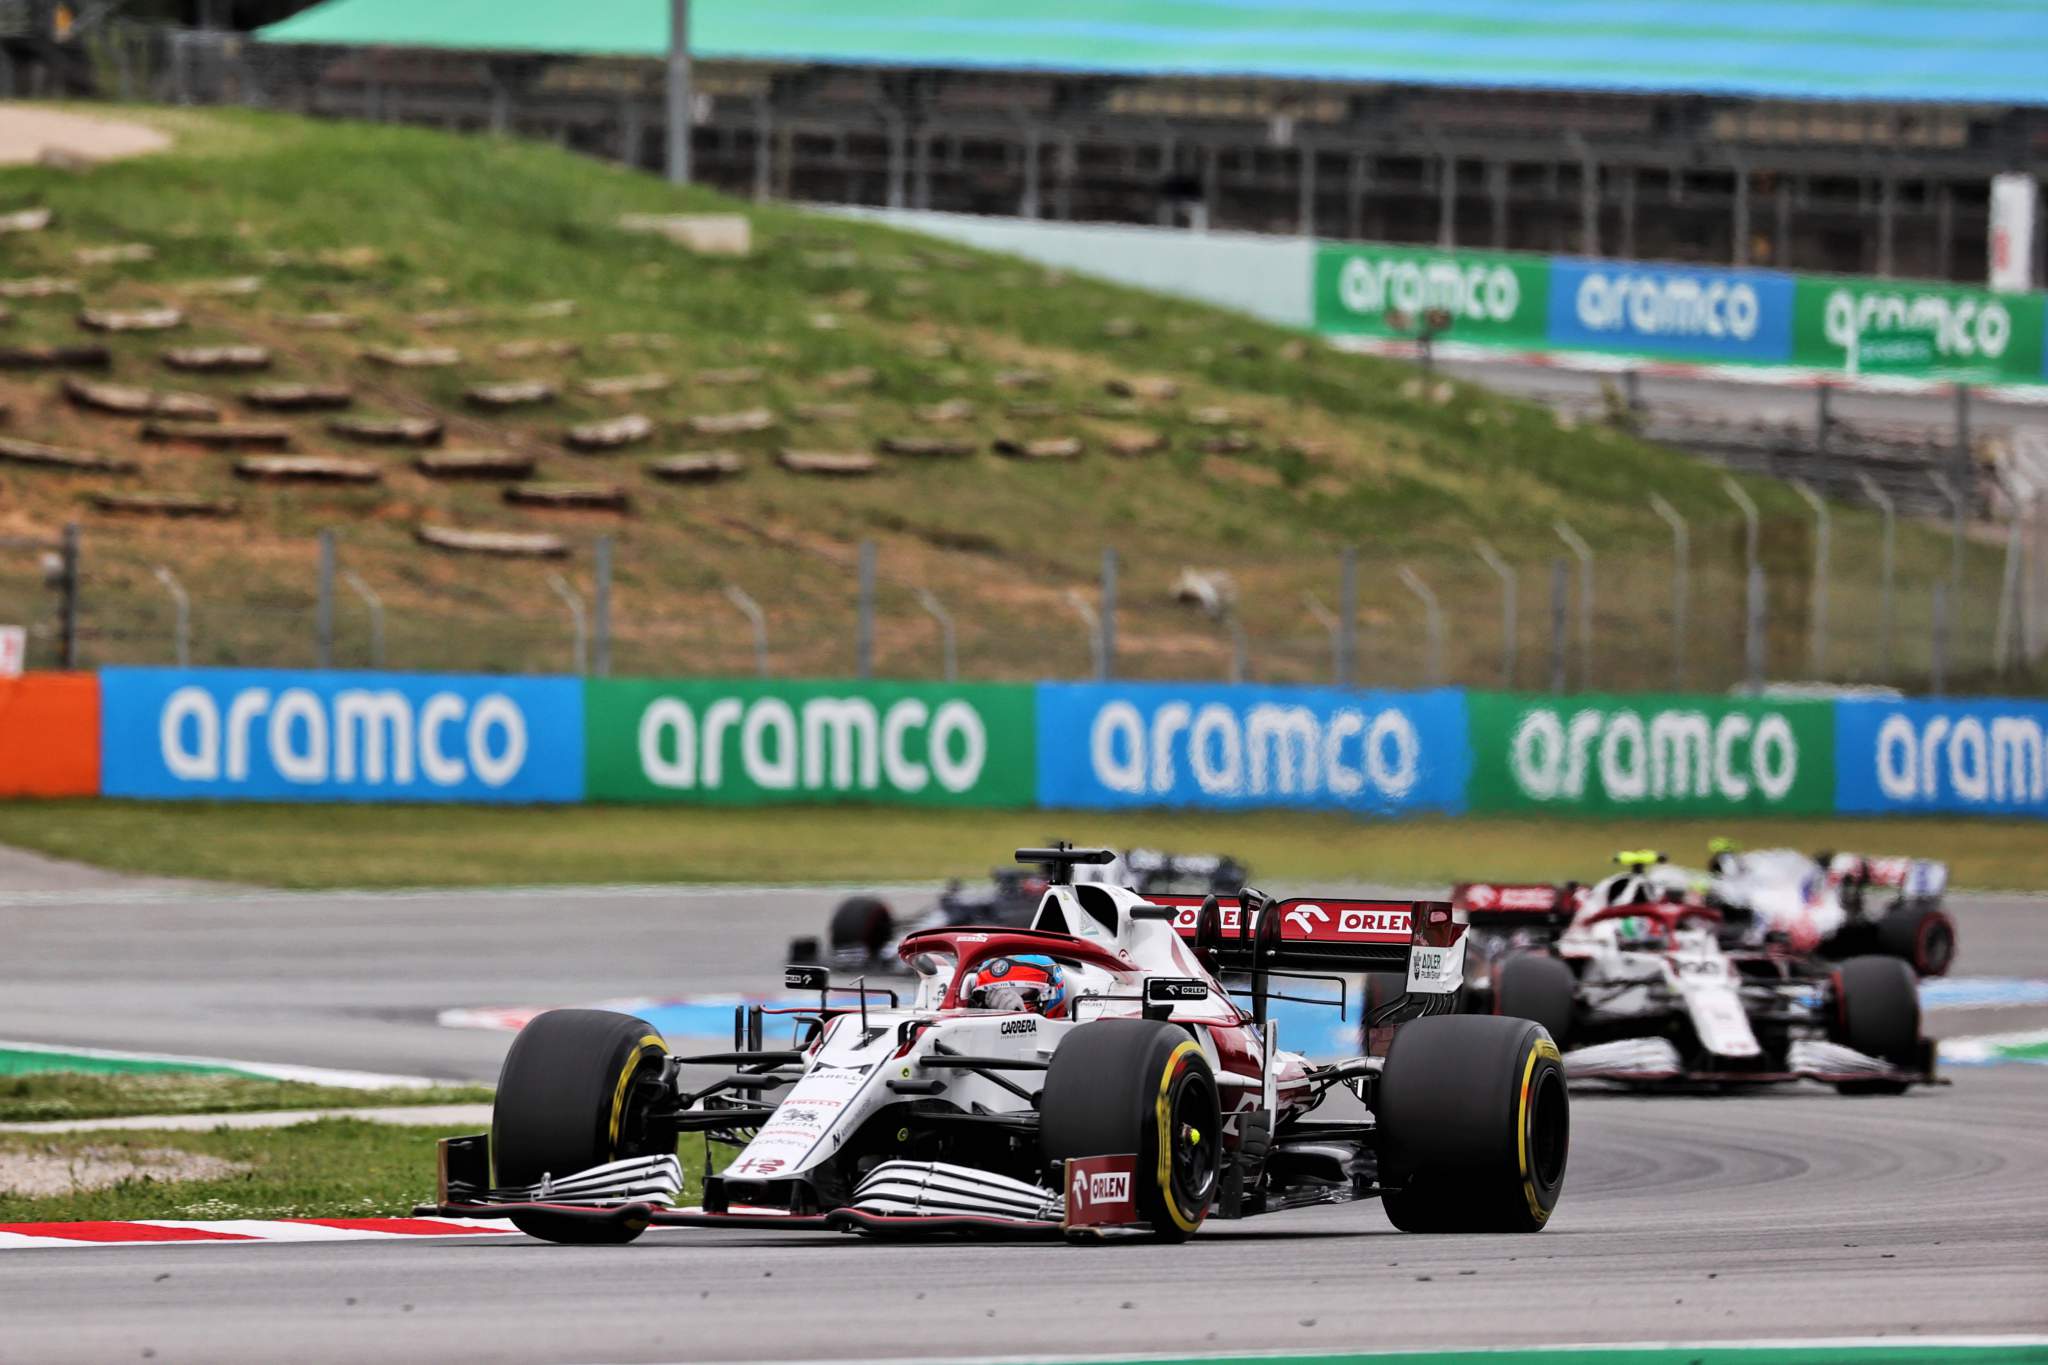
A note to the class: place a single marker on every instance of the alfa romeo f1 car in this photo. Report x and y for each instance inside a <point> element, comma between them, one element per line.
<point>1085,1076</point>
<point>1652,975</point>
<point>863,931</point>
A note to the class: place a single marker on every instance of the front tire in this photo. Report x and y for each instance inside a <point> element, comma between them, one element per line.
<point>1877,1012</point>
<point>1474,1125</point>
<point>572,1095</point>
<point>1143,1087</point>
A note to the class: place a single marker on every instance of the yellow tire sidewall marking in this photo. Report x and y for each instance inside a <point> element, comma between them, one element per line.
<point>1543,1047</point>
<point>647,1042</point>
<point>1165,1124</point>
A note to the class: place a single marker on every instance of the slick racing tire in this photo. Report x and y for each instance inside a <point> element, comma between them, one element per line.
<point>861,922</point>
<point>1540,988</point>
<point>1877,1012</point>
<point>1919,934</point>
<point>574,1094</point>
<point>1142,1086</point>
<point>1474,1125</point>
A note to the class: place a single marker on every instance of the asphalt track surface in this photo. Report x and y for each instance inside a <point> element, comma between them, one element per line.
<point>1794,1213</point>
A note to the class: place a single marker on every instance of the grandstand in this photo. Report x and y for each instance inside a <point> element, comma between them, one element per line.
<point>1852,136</point>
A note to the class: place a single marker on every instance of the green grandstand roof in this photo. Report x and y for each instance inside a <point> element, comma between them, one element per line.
<point>1955,51</point>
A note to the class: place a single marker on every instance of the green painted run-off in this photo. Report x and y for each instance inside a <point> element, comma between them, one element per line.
<point>21,1062</point>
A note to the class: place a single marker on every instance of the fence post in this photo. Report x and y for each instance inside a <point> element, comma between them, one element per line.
<point>1681,584</point>
<point>1239,650</point>
<point>67,595</point>
<point>1823,428</point>
<point>938,613</point>
<point>1508,589</point>
<point>601,608</point>
<point>1092,623</point>
<point>574,603</point>
<point>1584,553</point>
<point>1327,619</point>
<point>1560,593</point>
<point>374,605</point>
<point>1817,628</point>
<point>1888,563</point>
<point>864,625</point>
<point>1956,521</point>
<point>1347,616</point>
<point>756,618</point>
<point>181,604</point>
<point>1963,431</point>
<point>1753,624</point>
<point>1105,663</point>
<point>323,610</point>
<point>1434,623</point>
<point>1939,651</point>
<point>2008,597</point>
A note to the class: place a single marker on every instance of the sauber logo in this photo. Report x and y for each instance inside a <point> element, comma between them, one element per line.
<point>1307,917</point>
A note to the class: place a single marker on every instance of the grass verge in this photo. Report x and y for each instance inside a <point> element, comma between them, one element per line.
<point>56,1095</point>
<point>312,847</point>
<point>334,1168</point>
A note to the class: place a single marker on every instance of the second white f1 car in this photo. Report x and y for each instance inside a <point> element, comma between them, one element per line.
<point>1649,977</point>
<point>1088,1075</point>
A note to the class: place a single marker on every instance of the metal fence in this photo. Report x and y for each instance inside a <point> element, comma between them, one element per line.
<point>1724,599</point>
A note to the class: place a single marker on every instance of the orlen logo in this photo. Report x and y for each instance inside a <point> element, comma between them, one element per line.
<point>1667,305</point>
<point>1673,756</point>
<point>2005,762</point>
<point>1358,923</point>
<point>1480,292</point>
<point>355,735</point>
<point>1101,1187</point>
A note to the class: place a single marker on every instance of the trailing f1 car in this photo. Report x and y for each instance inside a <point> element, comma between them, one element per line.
<point>1088,1075</point>
<point>1822,904</point>
<point>1647,977</point>
<point>863,931</point>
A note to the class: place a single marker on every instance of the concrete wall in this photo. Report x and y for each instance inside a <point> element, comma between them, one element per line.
<point>1268,277</point>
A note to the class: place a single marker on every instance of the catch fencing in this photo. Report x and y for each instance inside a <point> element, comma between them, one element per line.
<point>222,734</point>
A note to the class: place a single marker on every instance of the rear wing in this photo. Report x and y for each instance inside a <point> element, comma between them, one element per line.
<point>1912,877</point>
<point>1330,933</point>
<point>1505,905</point>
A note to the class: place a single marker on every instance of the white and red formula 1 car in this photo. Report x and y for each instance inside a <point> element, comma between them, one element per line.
<point>1659,975</point>
<point>1087,1075</point>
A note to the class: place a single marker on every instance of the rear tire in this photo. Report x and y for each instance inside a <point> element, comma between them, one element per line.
<point>1540,988</point>
<point>1877,1012</point>
<point>1474,1125</point>
<point>862,922</point>
<point>1920,934</point>
<point>1143,1087</point>
<point>569,1098</point>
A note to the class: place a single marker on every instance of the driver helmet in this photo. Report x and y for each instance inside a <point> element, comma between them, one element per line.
<point>1031,982</point>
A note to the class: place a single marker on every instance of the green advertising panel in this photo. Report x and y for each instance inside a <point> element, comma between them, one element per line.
<point>1650,755</point>
<point>1914,328</point>
<point>757,743</point>
<point>1493,299</point>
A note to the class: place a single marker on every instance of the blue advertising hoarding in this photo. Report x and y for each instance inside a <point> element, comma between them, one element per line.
<point>1966,757</point>
<point>1107,745</point>
<point>1732,315</point>
<point>236,734</point>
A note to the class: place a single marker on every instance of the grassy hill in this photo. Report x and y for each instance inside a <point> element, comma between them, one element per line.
<point>1276,451</point>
